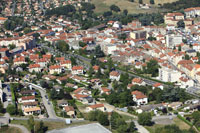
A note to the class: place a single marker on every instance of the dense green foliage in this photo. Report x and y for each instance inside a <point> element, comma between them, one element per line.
<point>172,129</point>
<point>31,123</point>
<point>145,119</point>
<point>118,123</point>
<point>11,109</point>
<point>181,4</point>
<point>120,99</point>
<point>152,68</point>
<point>67,10</point>
<point>62,46</point>
<point>99,116</point>
<point>13,22</point>
<point>115,8</point>
<point>40,127</point>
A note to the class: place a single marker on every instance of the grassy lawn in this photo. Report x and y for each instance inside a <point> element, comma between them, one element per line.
<point>153,128</point>
<point>132,7</point>
<point>181,124</point>
<point>78,103</point>
<point>50,124</point>
<point>10,130</point>
<point>126,117</point>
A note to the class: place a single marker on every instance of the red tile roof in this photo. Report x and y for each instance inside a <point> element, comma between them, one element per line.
<point>28,97</point>
<point>138,94</point>
<point>96,106</point>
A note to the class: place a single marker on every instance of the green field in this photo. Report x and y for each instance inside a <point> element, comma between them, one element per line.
<point>132,7</point>
<point>181,124</point>
<point>10,130</point>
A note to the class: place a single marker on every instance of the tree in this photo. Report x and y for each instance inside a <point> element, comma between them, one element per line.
<point>62,46</point>
<point>73,60</point>
<point>11,109</point>
<point>179,48</point>
<point>125,12</point>
<point>169,129</point>
<point>132,127</point>
<point>145,119</point>
<point>103,119</point>
<point>1,108</point>
<point>99,52</point>
<point>107,14</point>
<point>40,128</point>
<point>152,68</point>
<point>31,123</point>
<point>115,8</point>
<point>187,57</point>
<point>140,1</point>
<point>152,2</point>
<point>181,24</point>
<point>91,71</point>
<point>82,44</point>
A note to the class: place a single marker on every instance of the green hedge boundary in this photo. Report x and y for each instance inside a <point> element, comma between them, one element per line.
<point>183,119</point>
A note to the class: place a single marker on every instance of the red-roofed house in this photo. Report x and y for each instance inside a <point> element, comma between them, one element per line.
<point>138,81</point>
<point>96,68</point>
<point>96,107</point>
<point>158,85</point>
<point>26,99</point>
<point>55,69</point>
<point>114,75</point>
<point>34,68</point>
<point>105,90</point>
<point>77,70</point>
<point>67,64</point>
<point>19,61</point>
<point>139,98</point>
<point>70,110</point>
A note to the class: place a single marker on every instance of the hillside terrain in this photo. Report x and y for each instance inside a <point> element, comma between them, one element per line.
<point>132,7</point>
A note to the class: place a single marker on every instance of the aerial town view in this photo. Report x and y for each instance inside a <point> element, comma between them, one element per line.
<point>99,66</point>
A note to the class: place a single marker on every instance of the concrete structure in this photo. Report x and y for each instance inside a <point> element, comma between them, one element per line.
<point>168,75</point>
<point>173,40</point>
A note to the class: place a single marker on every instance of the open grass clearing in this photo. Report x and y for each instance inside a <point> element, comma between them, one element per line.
<point>132,7</point>
<point>10,130</point>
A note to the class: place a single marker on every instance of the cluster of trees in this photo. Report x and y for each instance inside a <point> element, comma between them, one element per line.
<point>36,127</point>
<point>120,99</point>
<point>13,22</point>
<point>62,46</point>
<point>145,119</point>
<point>118,123</point>
<point>181,4</point>
<point>196,118</point>
<point>172,129</point>
<point>67,10</point>
<point>165,95</point>
<point>54,95</point>
<point>151,68</point>
<point>99,116</point>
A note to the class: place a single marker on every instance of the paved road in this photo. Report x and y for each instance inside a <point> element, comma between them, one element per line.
<point>140,128</point>
<point>22,128</point>
<point>147,81</point>
<point>49,107</point>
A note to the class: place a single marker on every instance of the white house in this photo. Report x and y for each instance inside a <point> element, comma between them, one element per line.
<point>96,107</point>
<point>57,28</point>
<point>139,98</point>
<point>114,75</point>
<point>55,69</point>
<point>26,99</point>
<point>138,81</point>
<point>77,70</point>
<point>34,68</point>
